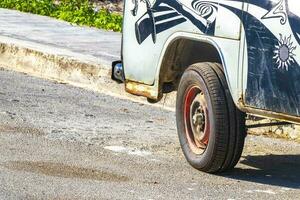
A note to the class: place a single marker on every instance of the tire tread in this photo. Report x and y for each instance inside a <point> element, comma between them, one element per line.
<point>230,129</point>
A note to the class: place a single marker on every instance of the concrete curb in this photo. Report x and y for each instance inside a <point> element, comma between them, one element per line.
<point>51,63</point>
<point>67,67</point>
<point>90,73</point>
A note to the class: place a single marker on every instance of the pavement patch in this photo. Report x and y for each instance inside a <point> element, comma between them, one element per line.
<point>6,128</point>
<point>64,171</point>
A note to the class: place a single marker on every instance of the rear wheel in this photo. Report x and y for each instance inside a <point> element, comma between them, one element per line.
<point>211,129</point>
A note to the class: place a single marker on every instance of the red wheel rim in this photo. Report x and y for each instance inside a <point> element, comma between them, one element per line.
<point>196,119</point>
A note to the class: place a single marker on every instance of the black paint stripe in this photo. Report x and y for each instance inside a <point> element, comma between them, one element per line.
<point>162,8</point>
<point>169,24</point>
<point>166,16</point>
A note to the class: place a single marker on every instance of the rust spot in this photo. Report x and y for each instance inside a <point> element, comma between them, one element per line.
<point>141,90</point>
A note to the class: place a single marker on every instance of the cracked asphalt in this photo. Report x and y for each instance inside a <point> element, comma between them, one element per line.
<point>62,142</point>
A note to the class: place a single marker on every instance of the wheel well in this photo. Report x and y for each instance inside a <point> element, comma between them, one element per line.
<point>179,55</point>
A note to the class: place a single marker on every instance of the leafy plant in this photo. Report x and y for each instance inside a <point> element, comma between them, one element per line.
<point>79,12</point>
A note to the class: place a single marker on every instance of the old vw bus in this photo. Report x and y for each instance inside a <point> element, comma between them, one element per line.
<point>224,58</point>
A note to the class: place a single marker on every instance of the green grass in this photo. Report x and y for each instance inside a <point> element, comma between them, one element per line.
<point>80,12</point>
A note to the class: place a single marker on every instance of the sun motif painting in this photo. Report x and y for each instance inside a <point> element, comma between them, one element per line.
<point>284,52</point>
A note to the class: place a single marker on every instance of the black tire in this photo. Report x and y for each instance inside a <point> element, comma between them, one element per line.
<point>211,129</point>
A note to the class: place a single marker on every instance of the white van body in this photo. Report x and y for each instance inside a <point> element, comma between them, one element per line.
<point>256,41</point>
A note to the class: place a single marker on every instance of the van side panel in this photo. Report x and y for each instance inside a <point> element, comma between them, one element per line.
<point>149,24</point>
<point>268,77</point>
<point>272,33</point>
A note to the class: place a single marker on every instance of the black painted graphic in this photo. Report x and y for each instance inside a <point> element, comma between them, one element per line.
<point>165,14</point>
<point>294,23</point>
<point>279,11</point>
<point>273,74</point>
<point>145,26</point>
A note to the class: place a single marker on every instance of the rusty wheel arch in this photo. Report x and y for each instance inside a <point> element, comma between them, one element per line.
<point>181,53</point>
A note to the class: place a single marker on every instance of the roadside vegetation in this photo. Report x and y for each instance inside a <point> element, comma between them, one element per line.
<point>80,12</point>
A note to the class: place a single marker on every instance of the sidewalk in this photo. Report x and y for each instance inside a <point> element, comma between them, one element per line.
<point>101,47</point>
<point>53,49</point>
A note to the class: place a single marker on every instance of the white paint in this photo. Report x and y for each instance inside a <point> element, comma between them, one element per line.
<point>139,153</point>
<point>294,7</point>
<point>129,151</point>
<point>223,29</point>
<point>115,148</point>
<point>269,191</point>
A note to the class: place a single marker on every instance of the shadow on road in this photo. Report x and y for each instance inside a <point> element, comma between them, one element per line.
<point>277,170</point>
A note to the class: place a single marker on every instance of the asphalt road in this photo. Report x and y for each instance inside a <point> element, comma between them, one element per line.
<point>62,142</point>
